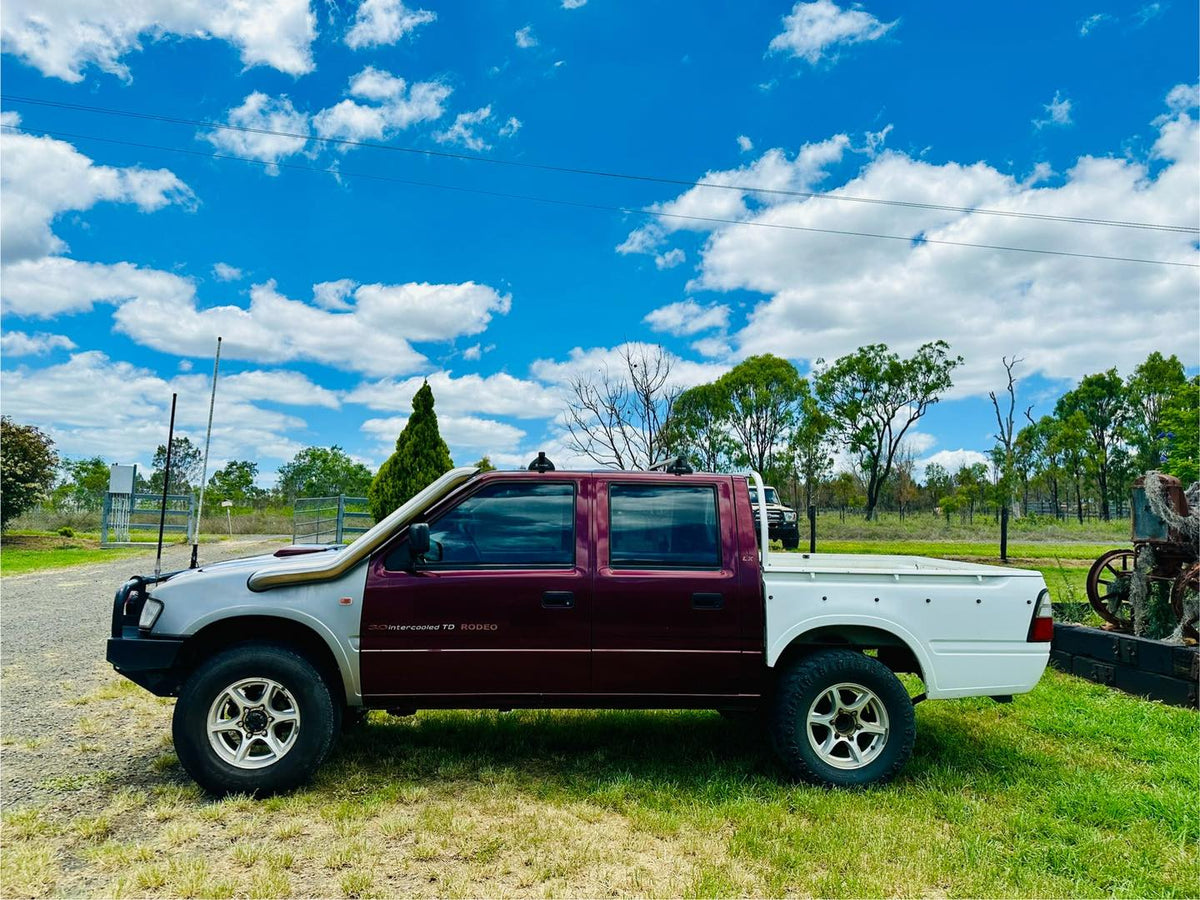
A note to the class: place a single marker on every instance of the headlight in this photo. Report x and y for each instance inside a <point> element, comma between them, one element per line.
<point>151,610</point>
<point>789,516</point>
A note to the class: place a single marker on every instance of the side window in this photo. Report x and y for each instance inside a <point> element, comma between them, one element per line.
<point>663,526</point>
<point>506,525</point>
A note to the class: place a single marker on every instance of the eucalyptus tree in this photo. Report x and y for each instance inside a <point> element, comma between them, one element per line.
<point>874,397</point>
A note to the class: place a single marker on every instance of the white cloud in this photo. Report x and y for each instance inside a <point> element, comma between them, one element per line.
<point>687,317</point>
<point>511,127</point>
<point>395,107</point>
<point>670,259</point>
<point>500,394</point>
<point>587,363</point>
<point>1058,112</point>
<point>62,38</point>
<point>467,436</point>
<point>225,272</point>
<point>374,337</point>
<point>263,113</point>
<point>381,22</point>
<point>43,177</point>
<point>824,295</point>
<point>18,343</point>
<point>573,4</point>
<point>525,37</point>
<point>645,239</point>
<point>1183,98</point>
<point>333,294</point>
<point>744,143</point>
<point>950,460</point>
<point>133,417</point>
<point>811,30</point>
<point>53,285</point>
<point>463,130</point>
<point>1092,22</point>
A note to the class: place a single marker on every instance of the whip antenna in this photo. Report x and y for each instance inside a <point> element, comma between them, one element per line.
<point>204,469</point>
<point>162,514</point>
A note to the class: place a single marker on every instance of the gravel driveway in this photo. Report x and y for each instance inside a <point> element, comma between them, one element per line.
<point>53,628</point>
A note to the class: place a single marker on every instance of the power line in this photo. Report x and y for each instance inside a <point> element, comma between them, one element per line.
<point>596,173</point>
<point>340,173</point>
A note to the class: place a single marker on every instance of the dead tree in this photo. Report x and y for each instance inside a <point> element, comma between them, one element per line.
<point>1004,439</point>
<point>616,416</point>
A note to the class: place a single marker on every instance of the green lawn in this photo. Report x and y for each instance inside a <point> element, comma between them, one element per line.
<point>16,559</point>
<point>1072,790</point>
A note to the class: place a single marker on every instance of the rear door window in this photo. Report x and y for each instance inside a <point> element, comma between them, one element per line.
<point>663,526</point>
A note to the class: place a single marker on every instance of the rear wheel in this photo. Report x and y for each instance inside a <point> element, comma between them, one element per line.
<point>256,719</point>
<point>843,719</point>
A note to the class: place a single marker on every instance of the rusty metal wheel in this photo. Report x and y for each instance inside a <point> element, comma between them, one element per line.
<point>1109,588</point>
<point>1185,598</point>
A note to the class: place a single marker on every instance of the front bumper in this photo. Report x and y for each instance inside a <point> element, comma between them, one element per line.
<point>144,659</point>
<point>148,661</point>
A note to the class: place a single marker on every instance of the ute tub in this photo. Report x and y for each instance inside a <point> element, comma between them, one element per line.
<point>967,624</point>
<point>894,567</point>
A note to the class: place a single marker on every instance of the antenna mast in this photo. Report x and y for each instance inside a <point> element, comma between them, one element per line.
<point>204,469</point>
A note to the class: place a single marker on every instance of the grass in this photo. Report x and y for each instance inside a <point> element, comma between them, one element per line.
<point>1070,790</point>
<point>21,553</point>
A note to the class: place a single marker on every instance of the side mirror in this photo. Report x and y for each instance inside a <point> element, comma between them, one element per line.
<point>418,539</point>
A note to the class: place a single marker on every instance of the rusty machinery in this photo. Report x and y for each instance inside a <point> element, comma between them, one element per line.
<point>1164,550</point>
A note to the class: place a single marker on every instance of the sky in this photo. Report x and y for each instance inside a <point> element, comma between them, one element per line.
<point>390,204</point>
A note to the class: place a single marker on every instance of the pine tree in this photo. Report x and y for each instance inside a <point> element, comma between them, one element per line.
<point>421,457</point>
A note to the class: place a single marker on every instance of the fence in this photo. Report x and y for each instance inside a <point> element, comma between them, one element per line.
<point>330,520</point>
<point>123,514</point>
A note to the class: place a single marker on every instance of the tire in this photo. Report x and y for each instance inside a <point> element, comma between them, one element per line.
<point>281,714</point>
<point>881,731</point>
<point>791,542</point>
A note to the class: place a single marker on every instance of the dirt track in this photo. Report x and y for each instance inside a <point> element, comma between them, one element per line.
<point>53,628</point>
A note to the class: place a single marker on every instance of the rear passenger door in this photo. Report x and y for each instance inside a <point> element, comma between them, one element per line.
<point>666,596</point>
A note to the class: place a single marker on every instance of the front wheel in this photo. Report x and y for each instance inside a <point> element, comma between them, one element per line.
<point>842,719</point>
<point>255,719</point>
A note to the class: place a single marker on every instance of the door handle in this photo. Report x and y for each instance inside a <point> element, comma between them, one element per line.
<point>708,601</point>
<point>558,600</point>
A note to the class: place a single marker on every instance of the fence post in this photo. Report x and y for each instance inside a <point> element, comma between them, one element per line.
<point>812,529</point>
<point>341,518</point>
<point>105,513</point>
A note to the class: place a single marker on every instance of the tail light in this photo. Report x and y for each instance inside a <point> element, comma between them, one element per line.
<point>1041,629</point>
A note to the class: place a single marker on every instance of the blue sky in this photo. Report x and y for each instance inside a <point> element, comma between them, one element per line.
<point>336,293</point>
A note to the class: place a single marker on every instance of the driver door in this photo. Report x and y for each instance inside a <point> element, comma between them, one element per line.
<point>506,610</point>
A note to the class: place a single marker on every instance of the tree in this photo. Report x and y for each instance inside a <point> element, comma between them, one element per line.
<point>762,393</point>
<point>1181,421</point>
<point>1005,452</point>
<point>1068,442</point>
<point>906,486</point>
<point>186,460</point>
<point>938,482</point>
<point>485,465</point>
<point>322,472</point>
<point>1151,389</point>
<point>1101,400</point>
<point>875,396</point>
<point>234,481</point>
<point>809,447</point>
<point>84,484</point>
<point>27,466</point>
<point>420,458</point>
<point>698,428</point>
<point>618,418</point>
<point>846,491</point>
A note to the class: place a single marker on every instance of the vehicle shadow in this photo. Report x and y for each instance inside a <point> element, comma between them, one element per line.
<point>584,751</point>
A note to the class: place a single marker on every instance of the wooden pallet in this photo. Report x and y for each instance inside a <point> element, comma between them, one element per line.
<point>1147,668</point>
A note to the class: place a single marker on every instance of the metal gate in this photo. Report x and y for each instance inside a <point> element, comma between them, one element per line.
<point>124,514</point>
<point>330,520</point>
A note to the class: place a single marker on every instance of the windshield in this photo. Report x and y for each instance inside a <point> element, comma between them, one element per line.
<point>772,496</point>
